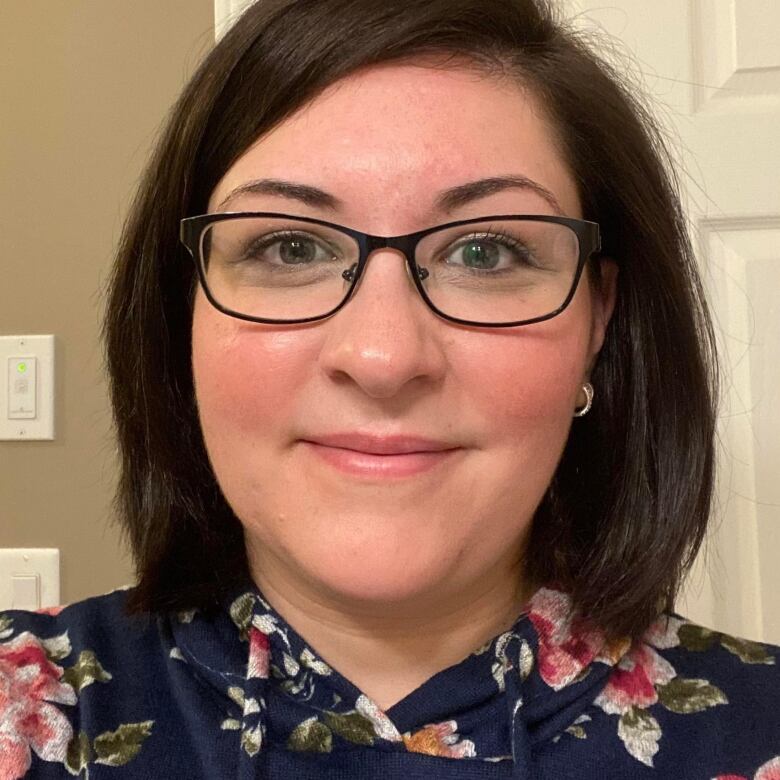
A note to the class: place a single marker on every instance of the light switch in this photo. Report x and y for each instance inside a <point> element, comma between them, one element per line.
<point>26,388</point>
<point>29,578</point>
<point>25,591</point>
<point>22,374</point>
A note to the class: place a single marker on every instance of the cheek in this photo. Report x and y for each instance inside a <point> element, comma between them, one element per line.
<point>523,386</point>
<point>527,380</point>
<point>245,377</point>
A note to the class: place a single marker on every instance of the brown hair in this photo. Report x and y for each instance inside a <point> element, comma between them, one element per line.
<point>628,506</point>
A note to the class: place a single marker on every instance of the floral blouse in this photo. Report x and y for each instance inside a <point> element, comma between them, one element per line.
<point>86,691</point>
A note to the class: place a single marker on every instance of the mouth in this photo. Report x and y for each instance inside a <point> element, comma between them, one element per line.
<point>382,458</point>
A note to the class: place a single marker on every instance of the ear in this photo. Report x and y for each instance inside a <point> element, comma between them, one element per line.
<point>604,293</point>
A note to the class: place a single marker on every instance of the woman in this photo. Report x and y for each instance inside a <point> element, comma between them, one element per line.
<point>417,439</point>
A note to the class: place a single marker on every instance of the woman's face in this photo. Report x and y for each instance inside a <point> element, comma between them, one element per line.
<point>385,143</point>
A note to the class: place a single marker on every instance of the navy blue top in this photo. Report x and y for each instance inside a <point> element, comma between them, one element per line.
<point>88,691</point>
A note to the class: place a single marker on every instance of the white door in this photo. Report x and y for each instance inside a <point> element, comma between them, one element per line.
<point>713,66</point>
<point>226,12</point>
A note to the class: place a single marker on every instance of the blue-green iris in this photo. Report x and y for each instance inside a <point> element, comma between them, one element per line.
<point>480,255</point>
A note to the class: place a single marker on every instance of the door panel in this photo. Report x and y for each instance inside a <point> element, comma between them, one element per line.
<point>713,70</point>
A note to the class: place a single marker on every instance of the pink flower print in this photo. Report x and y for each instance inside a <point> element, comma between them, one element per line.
<point>259,654</point>
<point>440,739</point>
<point>729,777</point>
<point>632,682</point>
<point>769,771</point>
<point>28,682</point>
<point>50,610</point>
<point>567,644</point>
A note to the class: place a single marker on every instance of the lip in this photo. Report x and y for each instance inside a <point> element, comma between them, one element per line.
<point>381,445</point>
<point>380,457</point>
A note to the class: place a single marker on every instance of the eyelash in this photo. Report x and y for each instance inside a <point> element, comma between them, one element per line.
<point>499,237</point>
<point>503,239</point>
<point>274,238</point>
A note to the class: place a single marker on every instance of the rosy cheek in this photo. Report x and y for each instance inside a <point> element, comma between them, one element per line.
<point>528,376</point>
<point>245,375</point>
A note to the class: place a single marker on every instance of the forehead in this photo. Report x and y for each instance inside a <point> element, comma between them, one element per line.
<point>389,138</point>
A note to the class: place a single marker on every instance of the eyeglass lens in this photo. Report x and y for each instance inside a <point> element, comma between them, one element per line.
<point>492,272</point>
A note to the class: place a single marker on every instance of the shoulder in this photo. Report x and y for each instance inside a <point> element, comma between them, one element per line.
<point>52,660</point>
<point>714,692</point>
<point>703,668</point>
<point>692,701</point>
<point>697,651</point>
<point>98,621</point>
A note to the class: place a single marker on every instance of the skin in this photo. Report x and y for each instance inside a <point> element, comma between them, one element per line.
<point>393,580</point>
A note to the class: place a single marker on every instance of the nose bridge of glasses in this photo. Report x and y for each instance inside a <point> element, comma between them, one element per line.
<point>403,245</point>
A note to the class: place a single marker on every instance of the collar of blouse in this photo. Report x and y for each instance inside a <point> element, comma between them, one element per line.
<point>529,684</point>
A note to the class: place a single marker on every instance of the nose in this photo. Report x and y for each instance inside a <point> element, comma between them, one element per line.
<point>385,337</point>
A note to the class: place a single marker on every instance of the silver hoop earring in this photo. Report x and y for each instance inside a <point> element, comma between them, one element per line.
<point>588,388</point>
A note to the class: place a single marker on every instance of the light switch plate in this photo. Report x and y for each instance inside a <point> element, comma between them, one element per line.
<point>26,367</point>
<point>28,562</point>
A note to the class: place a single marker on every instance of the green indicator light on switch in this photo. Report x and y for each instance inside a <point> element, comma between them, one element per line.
<point>21,367</point>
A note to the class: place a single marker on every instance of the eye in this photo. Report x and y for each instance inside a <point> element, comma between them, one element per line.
<point>486,251</point>
<point>288,248</point>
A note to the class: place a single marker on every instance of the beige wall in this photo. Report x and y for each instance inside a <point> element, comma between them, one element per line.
<point>84,84</point>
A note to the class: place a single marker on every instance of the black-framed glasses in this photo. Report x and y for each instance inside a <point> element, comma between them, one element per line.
<point>495,271</point>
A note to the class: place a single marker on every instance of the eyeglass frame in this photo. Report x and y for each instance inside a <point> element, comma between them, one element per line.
<point>192,230</point>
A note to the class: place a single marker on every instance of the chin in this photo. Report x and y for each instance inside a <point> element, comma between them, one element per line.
<point>375,576</point>
<point>391,560</point>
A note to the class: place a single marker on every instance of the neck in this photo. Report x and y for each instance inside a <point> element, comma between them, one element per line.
<point>389,650</point>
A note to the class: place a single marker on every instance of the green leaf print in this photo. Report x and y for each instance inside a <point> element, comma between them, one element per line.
<point>311,736</point>
<point>698,638</point>
<point>85,671</point>
<point>57,648</point>
<point>577,729</point>
<point>640,733</point>
<point>309,661</point>
<point>353,727</point>
<point>747,651</point>
<point>690,695</point>
<point>502,664</point>
<point>526,658</point>
<point>291,666</point>
<point>241,612</point>
<point>79,753</point>
<point>116,748</point>
<point>252,740</point>
<point>5,626</point>
<point>237,694</point>
<point>293,687</point>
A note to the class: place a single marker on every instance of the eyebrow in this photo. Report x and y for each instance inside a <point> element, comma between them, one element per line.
<point>455,197</point>
<point>446,202</point>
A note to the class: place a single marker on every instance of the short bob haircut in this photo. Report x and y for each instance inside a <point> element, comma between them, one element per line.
<point>629,503</point>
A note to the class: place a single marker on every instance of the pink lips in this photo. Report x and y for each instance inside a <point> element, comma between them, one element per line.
<point>372,456</point>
